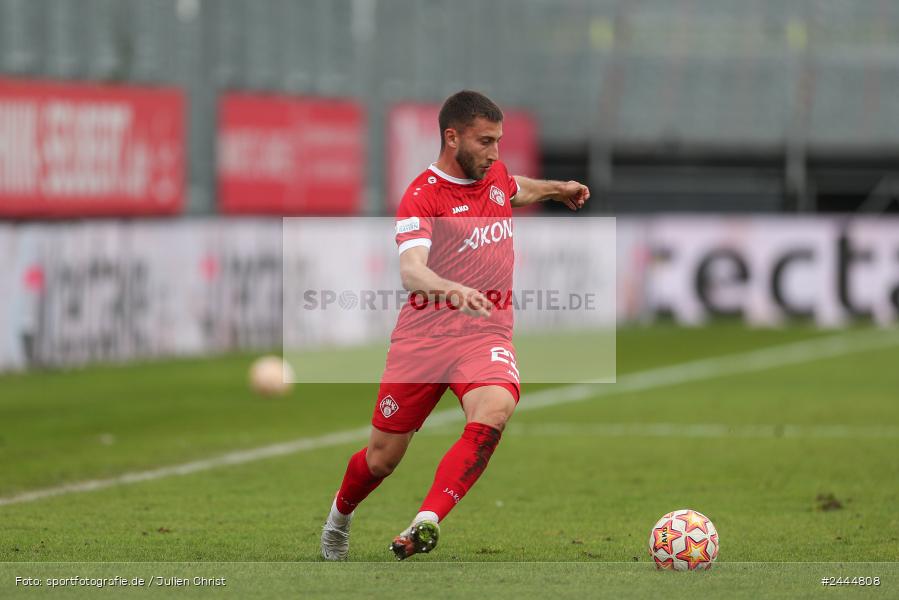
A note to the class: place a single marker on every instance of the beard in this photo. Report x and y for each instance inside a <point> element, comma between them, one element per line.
<point>468,163</point>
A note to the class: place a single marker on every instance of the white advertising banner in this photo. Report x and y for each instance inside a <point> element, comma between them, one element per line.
<point>869,273</point>
<point>85,292</point>
<point>77,293</point>
<point>764,270</point>
<point>9,292</point>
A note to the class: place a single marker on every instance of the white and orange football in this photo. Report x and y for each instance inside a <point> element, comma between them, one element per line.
<point>683,540</point>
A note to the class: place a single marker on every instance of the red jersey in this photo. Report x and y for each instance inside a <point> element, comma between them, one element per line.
<point>467,225</point>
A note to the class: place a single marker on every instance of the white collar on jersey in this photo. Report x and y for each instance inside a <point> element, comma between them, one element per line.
<point>449,177</point>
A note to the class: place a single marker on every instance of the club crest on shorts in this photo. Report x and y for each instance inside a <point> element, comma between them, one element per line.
<point>497,195</point>
<point>388,406</point>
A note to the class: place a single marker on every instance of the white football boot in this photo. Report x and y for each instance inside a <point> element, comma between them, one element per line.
<point>336,535</point>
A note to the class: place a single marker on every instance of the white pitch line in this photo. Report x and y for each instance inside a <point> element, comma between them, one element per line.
<point>690,430</point>
<point>237,457</point>
<point>709,368</point>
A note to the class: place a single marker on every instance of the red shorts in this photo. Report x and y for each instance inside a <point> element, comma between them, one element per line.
<point>420,370</point>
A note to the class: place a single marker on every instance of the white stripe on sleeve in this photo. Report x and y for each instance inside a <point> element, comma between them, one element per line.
<point>413,243</point>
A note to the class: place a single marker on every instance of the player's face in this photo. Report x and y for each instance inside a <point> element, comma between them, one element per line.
<point>479,147</point>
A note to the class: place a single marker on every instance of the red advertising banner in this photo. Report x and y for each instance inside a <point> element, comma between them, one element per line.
<point>290,156</point>
<point>70,150</point>
<point>413,143</point>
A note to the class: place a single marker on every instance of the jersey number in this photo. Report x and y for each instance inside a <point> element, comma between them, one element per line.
<point>500,354</point>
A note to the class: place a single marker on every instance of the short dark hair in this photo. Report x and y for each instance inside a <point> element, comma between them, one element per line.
<point>462,108</point>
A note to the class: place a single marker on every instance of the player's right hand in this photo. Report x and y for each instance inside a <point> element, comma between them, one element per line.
<point>470,301</point>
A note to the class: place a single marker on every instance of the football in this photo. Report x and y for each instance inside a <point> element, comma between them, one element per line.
<point>271,376</point>
<point>683,540</point>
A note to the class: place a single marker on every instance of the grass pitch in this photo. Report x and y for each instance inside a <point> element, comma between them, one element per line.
<point>795,464</point>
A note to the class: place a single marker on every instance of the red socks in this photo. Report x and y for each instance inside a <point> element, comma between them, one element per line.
<point>357,484</point>
<point>460,468</point>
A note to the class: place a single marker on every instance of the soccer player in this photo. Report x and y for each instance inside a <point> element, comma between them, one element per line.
<point>454,232</point>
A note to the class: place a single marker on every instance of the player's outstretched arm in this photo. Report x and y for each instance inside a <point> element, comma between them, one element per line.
<point>419,278</point>
<point>570,193</point>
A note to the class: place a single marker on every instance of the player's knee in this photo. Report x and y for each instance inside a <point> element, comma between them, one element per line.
<point>498,413</point>
<point>381,465</point>
<point>495,415</point>
<point>496,419</point>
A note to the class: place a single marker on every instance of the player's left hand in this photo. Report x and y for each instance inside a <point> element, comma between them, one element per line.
<point>573,194</point>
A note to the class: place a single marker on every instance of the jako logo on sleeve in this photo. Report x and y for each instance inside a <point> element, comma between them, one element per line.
<point>407,225</point>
